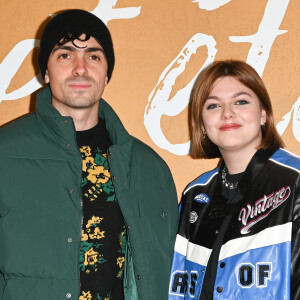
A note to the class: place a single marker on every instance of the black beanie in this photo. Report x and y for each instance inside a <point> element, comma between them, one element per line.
<point>75,22</point>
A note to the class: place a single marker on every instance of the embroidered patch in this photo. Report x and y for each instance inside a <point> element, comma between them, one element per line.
<point>202,198</point>
<point>183,284</point>
<point>193,217</point>
<point>249,275</point>
<point>252,214</point>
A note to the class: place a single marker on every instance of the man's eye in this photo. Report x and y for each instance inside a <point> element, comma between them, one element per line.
<point>95,57</point>
<point>64,56</point>
<point>242,102</point>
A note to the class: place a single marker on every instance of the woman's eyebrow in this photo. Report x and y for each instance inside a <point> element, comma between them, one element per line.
<point>241,93</point>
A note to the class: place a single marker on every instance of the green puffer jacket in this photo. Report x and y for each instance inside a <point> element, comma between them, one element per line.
<point>40,207</point>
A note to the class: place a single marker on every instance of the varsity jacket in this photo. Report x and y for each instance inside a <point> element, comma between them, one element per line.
<point>41,213</point>
<point>250,247</point>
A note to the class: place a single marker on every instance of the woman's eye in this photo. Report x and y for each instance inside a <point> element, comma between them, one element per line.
<point>212,106</point>
<point>242,102</point>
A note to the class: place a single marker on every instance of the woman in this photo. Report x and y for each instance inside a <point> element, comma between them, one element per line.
<point>239,235</point>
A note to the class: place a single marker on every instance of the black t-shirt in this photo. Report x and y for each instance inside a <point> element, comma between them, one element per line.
<point>102,249</point>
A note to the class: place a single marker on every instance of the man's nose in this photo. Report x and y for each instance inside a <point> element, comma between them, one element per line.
<point>80,67</point>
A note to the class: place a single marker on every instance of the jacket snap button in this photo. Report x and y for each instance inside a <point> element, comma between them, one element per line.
<point>222,264</point>
<point>70,240</point>
<point>164,215</point>
<point>219,289</point>
<point>138,277</point>
<point>68,295</point>
<point>68,145</point>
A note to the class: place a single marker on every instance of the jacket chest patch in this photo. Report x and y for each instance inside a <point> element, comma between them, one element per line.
<point>202,198</point>
<point>252,214</point>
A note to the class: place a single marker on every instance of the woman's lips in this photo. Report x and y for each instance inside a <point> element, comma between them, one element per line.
<point>230,126</point>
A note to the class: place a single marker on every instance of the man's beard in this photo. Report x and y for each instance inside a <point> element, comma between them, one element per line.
<point>79,99</point>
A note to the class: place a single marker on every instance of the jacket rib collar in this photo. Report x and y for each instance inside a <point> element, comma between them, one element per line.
<point>62,130</point>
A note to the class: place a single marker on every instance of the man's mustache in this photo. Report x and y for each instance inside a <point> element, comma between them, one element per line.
<point>81,78</point>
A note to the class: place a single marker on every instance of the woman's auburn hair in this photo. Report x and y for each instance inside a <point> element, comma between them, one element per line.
<point>201,146</point>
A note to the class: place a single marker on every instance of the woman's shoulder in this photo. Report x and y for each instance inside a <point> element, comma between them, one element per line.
<point>202,180</point>
<point>287,159</point>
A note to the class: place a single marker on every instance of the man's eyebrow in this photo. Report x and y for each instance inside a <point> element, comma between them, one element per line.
<point>63,47</point>
<point>94,49</point>
<point>72,48</point>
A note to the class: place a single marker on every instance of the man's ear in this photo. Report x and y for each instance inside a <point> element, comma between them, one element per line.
<point>106,80</point>
<point>46,77</point>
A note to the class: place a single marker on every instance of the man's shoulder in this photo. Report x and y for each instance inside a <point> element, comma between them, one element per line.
<point>21,123</point>
<point>147,163</point>
<point>145,152</point>
<point>17,131</point>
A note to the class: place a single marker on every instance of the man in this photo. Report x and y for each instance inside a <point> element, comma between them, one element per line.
<point>86,210</point>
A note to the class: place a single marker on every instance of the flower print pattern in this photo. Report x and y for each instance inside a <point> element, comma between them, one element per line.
<point>98,176</point>
<point>102,230</point>
<point>85,296</point>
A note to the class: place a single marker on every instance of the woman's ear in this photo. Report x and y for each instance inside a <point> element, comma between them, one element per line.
<point>263,117</point>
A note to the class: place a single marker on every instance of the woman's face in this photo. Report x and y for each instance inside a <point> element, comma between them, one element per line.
<point>232,116</point>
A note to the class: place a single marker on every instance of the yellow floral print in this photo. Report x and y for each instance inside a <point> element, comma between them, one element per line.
<point>96,174</point>
<point>86,150</point>
<point>85,296</point>
<point>97,186</point>
<point>84,236</point>
<point>120,261</point>
<point>92,230</point>
<point>90,257</point>
<point>97,234</point>
<point>93,220</point>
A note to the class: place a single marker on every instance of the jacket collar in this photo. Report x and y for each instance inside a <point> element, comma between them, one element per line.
<point>56,122</point>
<point>62,131</point>
<point>254,168</point>
<point>121,149</point>
<point>220,207</point>
<point>59,129</point>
